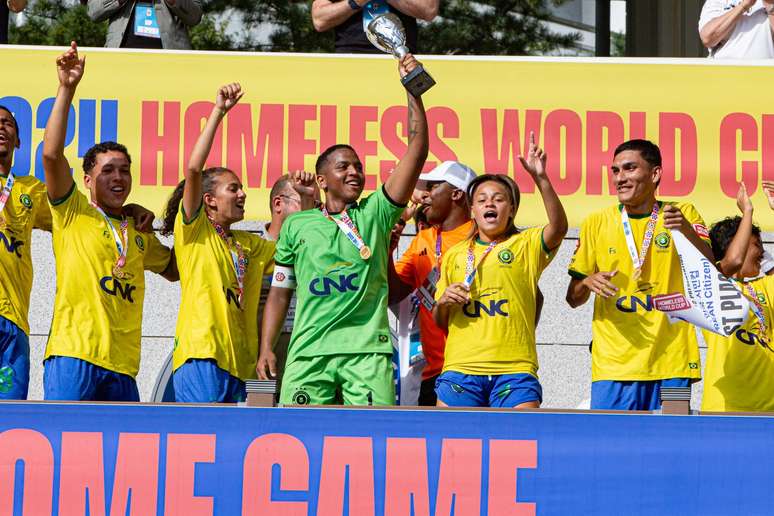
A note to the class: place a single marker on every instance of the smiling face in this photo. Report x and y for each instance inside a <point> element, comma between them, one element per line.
<point>225,202</point>
<point>342,176</point>
<point>751,266</point>
<point>492,209</point>
<point>110,180</point>
<point>635,179</point>
<point>9,138</point>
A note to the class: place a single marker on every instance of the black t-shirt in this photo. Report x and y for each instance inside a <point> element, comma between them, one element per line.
<point>3,22</point>
<point>131,40</point>
<point>351,39</point>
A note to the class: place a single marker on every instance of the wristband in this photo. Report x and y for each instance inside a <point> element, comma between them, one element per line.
<point>354,5</point>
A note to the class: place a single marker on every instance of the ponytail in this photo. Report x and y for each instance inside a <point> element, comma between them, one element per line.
<point>173,204</point>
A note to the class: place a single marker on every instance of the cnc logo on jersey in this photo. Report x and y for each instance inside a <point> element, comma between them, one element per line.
<point>301,397</point>
<point>505,256</point>
<point>232,296</point>
<point>140,242</point>
<point>631,304</point>
<point>116,287</point>
<point>336,279</point>
<point>662,240</point>
<point>12,245</point>
<point>486,305</point>
<point>26,200</point>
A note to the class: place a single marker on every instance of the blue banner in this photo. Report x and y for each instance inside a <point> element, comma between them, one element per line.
<point>141,460</point>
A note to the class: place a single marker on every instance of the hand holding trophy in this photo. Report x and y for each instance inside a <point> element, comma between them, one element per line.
<point>386,32</point>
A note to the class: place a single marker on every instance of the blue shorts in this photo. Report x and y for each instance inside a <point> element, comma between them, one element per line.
<point>645,395</point>
<point>73,379</point>
<point>202,381</point>
<point>471,390</point>
<point>14,361</point>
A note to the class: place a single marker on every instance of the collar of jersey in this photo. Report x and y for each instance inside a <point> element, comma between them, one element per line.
<point>641,216</point>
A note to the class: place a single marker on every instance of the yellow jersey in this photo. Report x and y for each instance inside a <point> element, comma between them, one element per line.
<point>26,208</point>
<point>98,317</point>
<point>739,375</point>
<point>631,340</point>
<point>495,332</point>
<point>211,323</point>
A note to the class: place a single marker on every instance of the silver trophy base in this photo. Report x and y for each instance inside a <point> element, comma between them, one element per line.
<point>418,81</point>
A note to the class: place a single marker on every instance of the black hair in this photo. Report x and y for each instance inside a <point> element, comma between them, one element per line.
<point>420,217</point>
<point>90,158</point>
<point>322,159</point>
<point>647,149</point>
<point>173,204</point>
<point>722,233</point>
<point>13,118</point>
<point>510,186</point>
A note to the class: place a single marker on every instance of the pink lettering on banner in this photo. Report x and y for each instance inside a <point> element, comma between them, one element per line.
<point>183,452</point>
<point>34,450</point>
<point>269,143</point>
<point>328,127</point>
<point>637,125</point>
<point>563,126</point>
<point>497,158</point>
<point>604,132</point>
<point>299,146</point>
<point>82,469</point>
<point>166,143</point>
<point>263,453</point>
<point>338,453</point>
<point>670,125</point>
<point>505,459</point>
<point>767,144</point>
<point>406,478</point>
<point>359,118</point>
<point>460,477</point>
<point>442,122</point>
<point>137,471</point>
<point>729,178</point>
<point>193,123</point>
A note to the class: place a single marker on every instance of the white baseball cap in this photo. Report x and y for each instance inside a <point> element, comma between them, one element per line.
<point>453,172</point>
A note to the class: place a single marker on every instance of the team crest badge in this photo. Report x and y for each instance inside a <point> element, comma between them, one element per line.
<point>662,240</point>
<point>26,200</point>
<point>761,298</point>
<point>301,397</point>
<point>140,243</point>
<point>505,256</point>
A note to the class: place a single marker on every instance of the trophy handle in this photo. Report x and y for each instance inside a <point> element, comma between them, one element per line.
<point>401,51</point>
<point>418,81</point>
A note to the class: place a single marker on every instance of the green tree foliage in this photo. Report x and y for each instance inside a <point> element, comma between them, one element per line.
<point>57,22</point>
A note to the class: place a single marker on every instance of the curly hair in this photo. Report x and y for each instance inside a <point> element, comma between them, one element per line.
<point>722,233</point>
<point>90,158</point>
<point>514,195</point>
<point>173,204</point>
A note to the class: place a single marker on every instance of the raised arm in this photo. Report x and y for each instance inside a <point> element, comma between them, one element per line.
<point>733,259</point>
<point>327,14</point>
<point>59,180</point>
<point>720,28</point>
<point>226,98</point>
<point>400,185</point>
<point>535,164</point>
<point>423,9</point>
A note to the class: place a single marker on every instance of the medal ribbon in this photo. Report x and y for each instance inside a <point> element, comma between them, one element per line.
<point>238,259</point>
<point>121,236</point>
<point>639,259</point>
<point>426,291</point>
<point>6,193</point>
<point>470,267</point>
<point>757,309</point>
<point>347,226</point>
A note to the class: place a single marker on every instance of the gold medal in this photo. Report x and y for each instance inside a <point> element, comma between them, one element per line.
<point>365,252</point>
<point>118,272</point>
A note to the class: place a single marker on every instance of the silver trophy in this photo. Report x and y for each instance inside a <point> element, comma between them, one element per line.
<point>386,32</point>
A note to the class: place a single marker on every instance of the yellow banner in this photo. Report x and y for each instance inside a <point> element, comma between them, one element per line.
<point>714,122</point>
